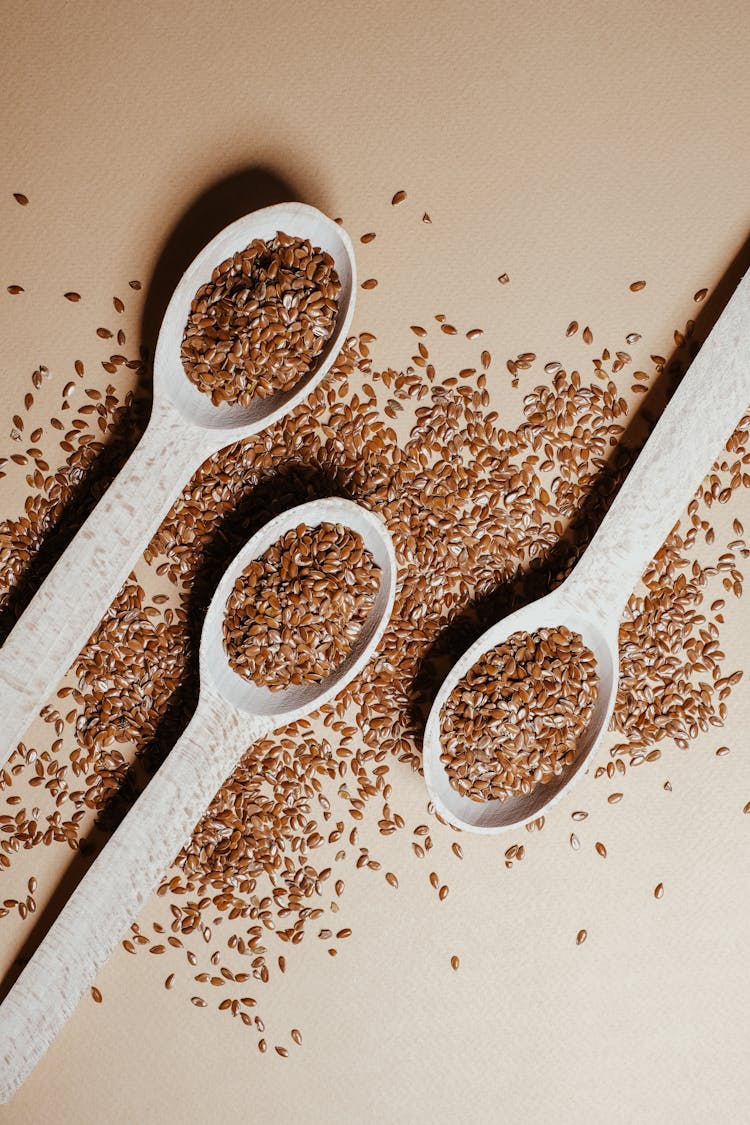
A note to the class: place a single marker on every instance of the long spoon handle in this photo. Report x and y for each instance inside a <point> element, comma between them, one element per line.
<point>686,441</point>
<point>111,894</point>
<point>82,585</point>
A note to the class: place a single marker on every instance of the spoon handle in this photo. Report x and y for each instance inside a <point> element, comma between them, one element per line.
<point>77,592</point>
<point>686,441</point>
<point>111,894</point>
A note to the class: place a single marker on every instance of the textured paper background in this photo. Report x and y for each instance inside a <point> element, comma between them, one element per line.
<point>576,148</point>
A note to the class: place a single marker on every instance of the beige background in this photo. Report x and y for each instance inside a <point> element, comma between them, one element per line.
<point>576,147</point>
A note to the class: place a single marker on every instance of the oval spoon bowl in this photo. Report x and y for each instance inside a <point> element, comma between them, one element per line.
<point>299,699</point>
<point>491,817</point>
<point>297,220</point>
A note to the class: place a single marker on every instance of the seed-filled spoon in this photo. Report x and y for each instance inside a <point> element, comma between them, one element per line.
<point>184,429</point>
<point>682,448</point>
<point>232,713</point>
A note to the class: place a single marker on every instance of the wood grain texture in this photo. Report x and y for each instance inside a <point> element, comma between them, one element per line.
<point>686,441</point>
<point>76,593</point>
<point>117,884</point>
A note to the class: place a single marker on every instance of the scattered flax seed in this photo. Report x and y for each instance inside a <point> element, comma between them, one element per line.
<point>257,326</point>
<point>391,879</point>
<point>199,1001</point>
<point>601,849</point>
<point>588,335</point>
<point>579,814</point>
<point>455,962</point>
<point>449,329</point>
<point>747,808</point>
<point>513,721</point>
<point>581,937</point>
<point>96,994</point>
<point>71,296</point>
<point>668,787</point>
<point>21,198</point>
<point>399,197</point>
<point>575,843</point>
<point>281,1051</point>
<point>282,963</point>
<point>572,328</point>
<point>262,1046</point>
<point>700,295</point>
<point>296,611</point>
<point>486,360</point>
<point>369,237</point>
<point>474,333</point>
<point>169,981</point>
<point>613,798</point>
<point>443,893</point>
<point>426,218</point>
<point>457,850</point>
<point>636,286</point>
<point>119,305</point>
<point>370,283</point>
<point>659,890</point>
<point>15,289</point>
<point>296,1035</point>
<point>345,933</point>
<point>418,330</point>
<point>134,284</point>
<point>503,279</point>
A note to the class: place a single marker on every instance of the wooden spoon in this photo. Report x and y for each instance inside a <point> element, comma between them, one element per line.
<point>232,713</point>
<point>184,429</point>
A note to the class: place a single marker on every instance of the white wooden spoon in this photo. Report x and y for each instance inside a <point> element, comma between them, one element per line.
<point>702,414</point>
<point>184,429</point>
<point>232,713</point>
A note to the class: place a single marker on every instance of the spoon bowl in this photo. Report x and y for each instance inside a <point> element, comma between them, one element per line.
<point>170,380</point>
<point>489,817</point>
<point>298,699</point>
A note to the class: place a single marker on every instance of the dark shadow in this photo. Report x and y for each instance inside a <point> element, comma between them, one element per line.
<point>545,574</point>
<point>212,210</point>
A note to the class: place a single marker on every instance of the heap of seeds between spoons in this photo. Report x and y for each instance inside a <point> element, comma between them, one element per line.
<point>267,866</point>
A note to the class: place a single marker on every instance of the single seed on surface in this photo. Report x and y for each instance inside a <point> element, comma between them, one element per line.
<point>658,890</point>
<point>96,994</point>
<point>455,963</point>
<point>581,937</point>
<point>71,296</point>
<point>399,197</point>
<point>20,198</point>
<point>601,849</point>
<point>503,279</point>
